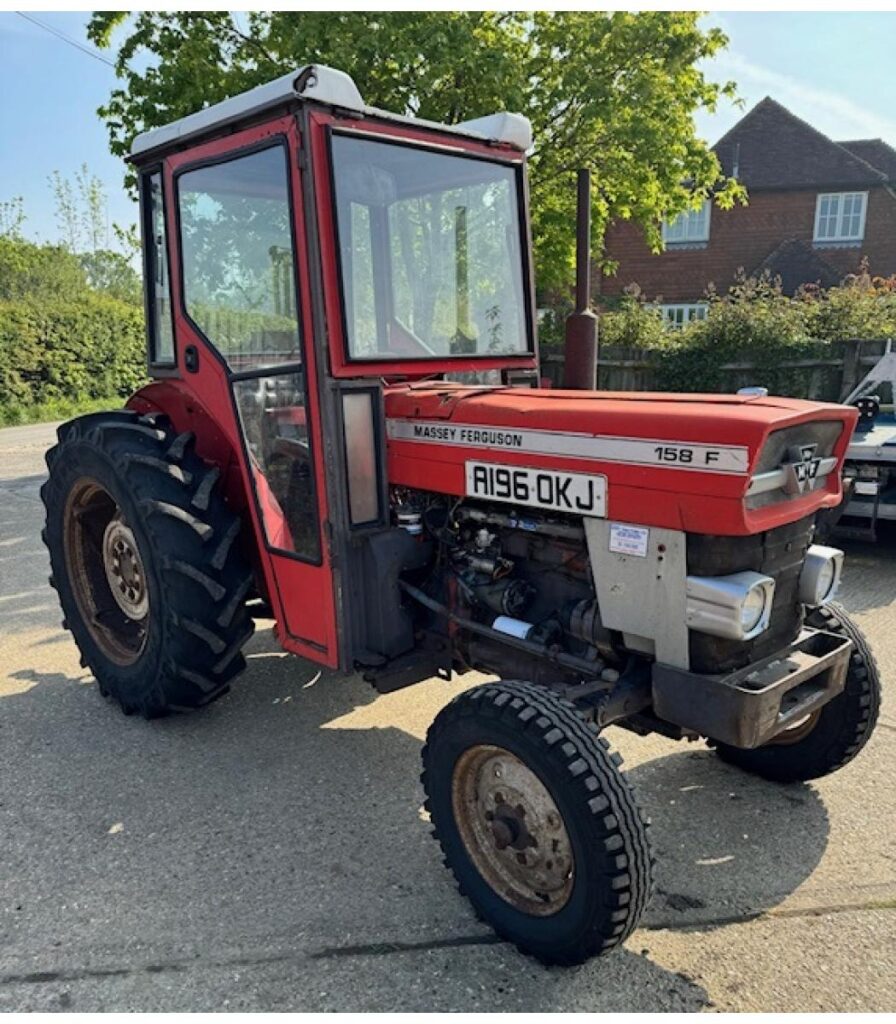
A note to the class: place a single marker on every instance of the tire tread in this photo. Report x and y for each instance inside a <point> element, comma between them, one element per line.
<point>191,533</point>
<point>590,770</point>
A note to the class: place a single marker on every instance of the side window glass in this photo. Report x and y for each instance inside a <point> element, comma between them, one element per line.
<point>158,295</point>
<point>273,415</point>
<point>237,256</point>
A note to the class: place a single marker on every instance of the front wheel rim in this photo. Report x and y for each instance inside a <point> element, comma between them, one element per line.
<point>798,731</point>
<point>106,572</point>
<point>512,830</point>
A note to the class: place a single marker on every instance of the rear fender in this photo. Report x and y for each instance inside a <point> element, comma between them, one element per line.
<point>171,397</point>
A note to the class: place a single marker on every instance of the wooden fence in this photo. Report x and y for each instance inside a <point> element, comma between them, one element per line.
<point>828,376</point>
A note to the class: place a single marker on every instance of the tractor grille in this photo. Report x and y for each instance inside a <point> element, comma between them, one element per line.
<point>824,434</point>
<point>778,553</point>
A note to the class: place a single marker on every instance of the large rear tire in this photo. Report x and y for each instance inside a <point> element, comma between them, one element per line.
<point>831,738</point>
<point>537,823</point>
<point>146,561</point>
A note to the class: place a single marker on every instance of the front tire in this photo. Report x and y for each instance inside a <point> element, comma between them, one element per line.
<point>146,562</point>
<point>832,737</point>
<point>537,823</point>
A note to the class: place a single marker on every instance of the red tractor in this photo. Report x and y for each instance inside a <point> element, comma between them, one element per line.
<point>345,432</point>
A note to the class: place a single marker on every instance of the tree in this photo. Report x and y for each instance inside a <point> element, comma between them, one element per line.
<point>94,209</point>
<point>68,220</point>
<point>81,211</point>
<point>612,91</point>
<point>12,217</point>
<point>82,218</point>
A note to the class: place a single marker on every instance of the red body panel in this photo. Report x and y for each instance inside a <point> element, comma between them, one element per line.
<point>700,501</point>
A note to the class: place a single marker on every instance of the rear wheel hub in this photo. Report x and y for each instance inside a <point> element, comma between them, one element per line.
<point>124,569</point>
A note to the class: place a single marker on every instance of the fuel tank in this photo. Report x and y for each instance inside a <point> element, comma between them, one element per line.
<point>718,464</point>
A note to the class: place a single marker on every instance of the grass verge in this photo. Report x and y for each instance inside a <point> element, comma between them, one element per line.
<point>60,409</point>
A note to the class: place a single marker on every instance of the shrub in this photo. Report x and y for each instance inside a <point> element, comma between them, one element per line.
<point>754,323</point>
<point>551,325</point>
<point>38,271</point>
<point>861,307</point>
<point>68,352</point>
<point>635,325</point>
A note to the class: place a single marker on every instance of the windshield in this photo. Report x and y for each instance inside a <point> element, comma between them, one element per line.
<point>431,252</point>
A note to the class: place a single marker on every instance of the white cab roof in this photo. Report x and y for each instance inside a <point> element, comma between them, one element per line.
<point>329,86</point>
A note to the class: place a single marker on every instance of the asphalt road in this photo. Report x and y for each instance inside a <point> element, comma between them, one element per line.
<point>270,853</point>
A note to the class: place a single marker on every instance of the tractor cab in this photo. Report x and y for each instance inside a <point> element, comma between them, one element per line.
<point>302,250</point>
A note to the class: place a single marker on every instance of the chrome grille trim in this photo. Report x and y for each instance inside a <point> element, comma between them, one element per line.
<point>775,479</point>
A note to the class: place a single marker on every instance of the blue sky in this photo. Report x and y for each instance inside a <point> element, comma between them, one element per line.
<point>836,71</point>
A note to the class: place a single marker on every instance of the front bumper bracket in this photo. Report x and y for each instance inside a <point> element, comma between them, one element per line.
<point>751,706</point>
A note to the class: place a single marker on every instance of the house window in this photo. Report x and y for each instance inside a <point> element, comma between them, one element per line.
<point>840,217</point>
<point>678,314</point>
<point>689,227</point>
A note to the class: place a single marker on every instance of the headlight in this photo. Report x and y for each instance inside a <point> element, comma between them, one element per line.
<point>820,575</point>
<point>736,606</point>
<point>752,608</point>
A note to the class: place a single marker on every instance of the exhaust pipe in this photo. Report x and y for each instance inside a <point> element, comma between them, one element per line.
<point>580,349</point>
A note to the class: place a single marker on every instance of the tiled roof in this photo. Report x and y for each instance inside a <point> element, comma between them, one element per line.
<point>797,263</point>
<point>771,148</point>
<point>875,152</point>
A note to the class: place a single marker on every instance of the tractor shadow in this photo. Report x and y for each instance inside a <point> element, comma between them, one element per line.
<point>278,833</point>
<point>729,846</point>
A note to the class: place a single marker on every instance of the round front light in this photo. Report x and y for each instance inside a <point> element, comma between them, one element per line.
<point>752,609</point>
<point>825,582</point>
<point>820,575</point>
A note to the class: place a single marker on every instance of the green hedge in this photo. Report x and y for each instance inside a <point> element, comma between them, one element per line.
<point>59,356</point>
<point>88,351</point>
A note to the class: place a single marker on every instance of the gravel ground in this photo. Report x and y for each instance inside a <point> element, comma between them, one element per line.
<point>270,853</point>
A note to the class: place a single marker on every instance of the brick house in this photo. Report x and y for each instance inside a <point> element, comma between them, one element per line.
<point>816,209</point>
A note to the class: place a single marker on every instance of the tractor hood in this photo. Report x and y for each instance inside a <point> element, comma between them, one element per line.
<point>722,464</point>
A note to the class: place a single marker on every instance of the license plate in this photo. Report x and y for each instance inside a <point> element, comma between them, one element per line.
<point>577,493</point>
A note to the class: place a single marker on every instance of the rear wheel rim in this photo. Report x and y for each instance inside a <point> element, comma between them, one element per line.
<point>512,830</point>
<point>106,572</point>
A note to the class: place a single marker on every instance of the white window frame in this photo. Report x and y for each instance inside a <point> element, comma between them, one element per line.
<point>679,314</point>
<point>824,215</point>
<point>689,227</point>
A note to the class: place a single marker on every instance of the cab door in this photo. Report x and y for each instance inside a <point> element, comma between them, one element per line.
<point>243,324</point>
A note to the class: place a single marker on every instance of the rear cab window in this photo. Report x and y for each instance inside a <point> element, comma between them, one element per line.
<point>156,272</point>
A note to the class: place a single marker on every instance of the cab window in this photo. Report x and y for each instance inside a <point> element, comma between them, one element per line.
<point>237,256</point>
<point>157,284</point>
<point>431,252</point>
